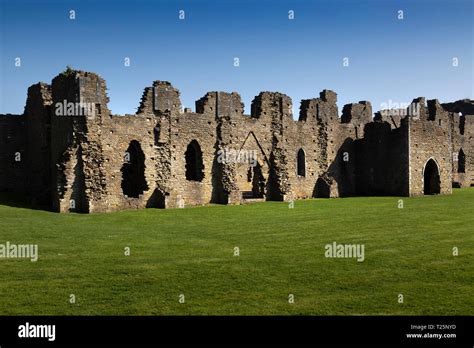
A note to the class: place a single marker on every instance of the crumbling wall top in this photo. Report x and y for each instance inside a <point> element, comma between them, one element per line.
<point>323,108</point>
<point>220,104</point>
<point>357,113</point>
<point>162,97</point>
<point>328,96</point>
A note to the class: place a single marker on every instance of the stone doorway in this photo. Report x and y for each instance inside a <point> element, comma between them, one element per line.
<point>431,178</point>
<point>133,171</point>
<point>322,189</point>
<point>194,162</point>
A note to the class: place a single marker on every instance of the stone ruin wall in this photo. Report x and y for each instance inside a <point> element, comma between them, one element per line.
<point>382,160</point>
<point>12,141</point>
<point>25,145</point>
<point>462,131</point>
<point>429,138</point>
<point>81,159</point>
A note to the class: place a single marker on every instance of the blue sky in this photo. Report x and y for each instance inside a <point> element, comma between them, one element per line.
<point>389,59</point>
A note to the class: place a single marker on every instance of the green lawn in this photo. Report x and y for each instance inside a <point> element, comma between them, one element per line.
<point>191,251</point>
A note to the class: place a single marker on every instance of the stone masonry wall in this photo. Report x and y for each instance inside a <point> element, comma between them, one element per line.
<point>462,129</point>
<point>12,148</point>
<point>89,160</point>
<point>429,138</point>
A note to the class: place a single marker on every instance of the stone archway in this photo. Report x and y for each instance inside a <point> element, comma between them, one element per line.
<point>194,162</point>
<point>431,178</point>
<point>322,189</point>
<point>133,171</point>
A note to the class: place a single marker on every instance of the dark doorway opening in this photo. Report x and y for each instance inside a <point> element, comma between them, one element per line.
<point>432,182</point>
<point>133,171</point>
<point>322,189</point>
<point>194,164</point>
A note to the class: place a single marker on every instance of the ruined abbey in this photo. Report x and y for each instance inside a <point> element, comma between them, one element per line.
<point>67,152</point>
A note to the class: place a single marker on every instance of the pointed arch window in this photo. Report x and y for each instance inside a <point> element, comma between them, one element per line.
<point>301,163</point>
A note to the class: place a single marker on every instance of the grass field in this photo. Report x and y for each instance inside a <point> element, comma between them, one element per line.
<point>190,251</point>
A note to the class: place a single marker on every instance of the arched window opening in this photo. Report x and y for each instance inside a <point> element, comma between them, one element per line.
<point>156,134</point>
<point>462,123</point>
<point>461,162</point>
<point>79,202</point>
<point>133,171</point>
<point>301,163</point>
<point>194,163</point>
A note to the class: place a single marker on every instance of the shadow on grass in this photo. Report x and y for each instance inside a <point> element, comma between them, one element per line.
<point>16,200</point>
